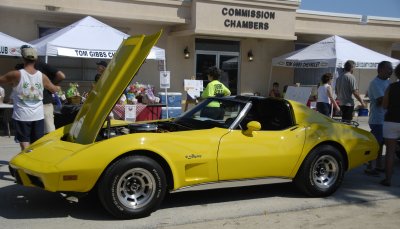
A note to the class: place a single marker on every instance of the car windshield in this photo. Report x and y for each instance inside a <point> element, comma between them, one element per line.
<point>212,112</point>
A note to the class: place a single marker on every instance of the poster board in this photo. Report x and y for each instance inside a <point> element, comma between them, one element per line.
<point>130,113</point>
<point>298,94</point>
<point>193,88</point>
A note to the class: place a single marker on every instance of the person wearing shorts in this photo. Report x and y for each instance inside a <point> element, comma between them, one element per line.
<point>391,125</point>
<point>28,84</point>
<point>376,92</point>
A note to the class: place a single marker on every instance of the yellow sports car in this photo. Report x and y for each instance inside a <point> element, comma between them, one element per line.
<point>132,165</point>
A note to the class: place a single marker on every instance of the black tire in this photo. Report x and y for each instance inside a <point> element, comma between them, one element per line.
<point>132,187</point>
<point>321,173</point>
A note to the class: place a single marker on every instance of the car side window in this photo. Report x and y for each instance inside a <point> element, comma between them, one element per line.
<point>274,114</point>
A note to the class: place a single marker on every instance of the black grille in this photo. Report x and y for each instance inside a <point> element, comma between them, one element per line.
<point>36,181</point>
<point>15,174</point>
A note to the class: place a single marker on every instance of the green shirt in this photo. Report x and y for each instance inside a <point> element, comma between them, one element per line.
<point>215,88</point>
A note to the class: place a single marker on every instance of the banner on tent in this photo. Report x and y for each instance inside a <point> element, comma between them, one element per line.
<point>9,51</point>
<point>103,54</point>
<point>368,65</point>
<point>299,64</point>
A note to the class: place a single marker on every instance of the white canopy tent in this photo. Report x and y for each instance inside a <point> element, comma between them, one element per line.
<point>86,38</point>
<point>10,46</point>
<point>331,52</point>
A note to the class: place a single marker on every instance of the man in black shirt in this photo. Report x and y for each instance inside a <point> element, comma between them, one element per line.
<point>55,76</point>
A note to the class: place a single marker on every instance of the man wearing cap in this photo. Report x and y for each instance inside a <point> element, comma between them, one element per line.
<point>28,85</point>
<point>55,76</point>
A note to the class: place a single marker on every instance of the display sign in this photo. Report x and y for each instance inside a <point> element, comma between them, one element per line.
<point>299,94</point>
<point>130,112</point>
<point>193,87</point>
<point>165,79</point>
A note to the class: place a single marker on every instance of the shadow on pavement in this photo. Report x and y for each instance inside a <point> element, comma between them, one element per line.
<point>26,203</point>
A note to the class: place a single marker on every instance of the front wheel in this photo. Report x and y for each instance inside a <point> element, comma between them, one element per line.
<point>132,187</point>
<point>321,173</point>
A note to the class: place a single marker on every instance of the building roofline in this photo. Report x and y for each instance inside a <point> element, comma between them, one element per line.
<point>355,16</point>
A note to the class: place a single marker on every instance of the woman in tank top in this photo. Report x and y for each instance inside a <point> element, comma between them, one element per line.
<point>325,97</point>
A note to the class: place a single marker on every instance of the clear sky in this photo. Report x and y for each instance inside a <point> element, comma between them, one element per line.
<point>380,8</point>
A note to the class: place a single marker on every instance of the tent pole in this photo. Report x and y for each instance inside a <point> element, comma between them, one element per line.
<point>166,93</point>
<point>335,76</point>
<point>269,81</point>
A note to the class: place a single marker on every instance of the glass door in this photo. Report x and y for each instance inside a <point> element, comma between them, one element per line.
<point>204,60</point>
<point>228,62</point>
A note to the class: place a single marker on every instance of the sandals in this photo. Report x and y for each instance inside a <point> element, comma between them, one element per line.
<point>385,182</point>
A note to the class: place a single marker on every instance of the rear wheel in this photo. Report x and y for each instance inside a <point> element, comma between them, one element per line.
<point>132,187</point>
<point>321,173</point>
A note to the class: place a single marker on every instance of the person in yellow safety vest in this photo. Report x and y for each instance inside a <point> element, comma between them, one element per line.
<point>214,89</point>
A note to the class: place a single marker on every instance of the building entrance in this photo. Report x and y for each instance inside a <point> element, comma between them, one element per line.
<point>222,54</point>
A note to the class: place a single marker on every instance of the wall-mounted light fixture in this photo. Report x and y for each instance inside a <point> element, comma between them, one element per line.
<point>186,53</point>
<point>250,56</point>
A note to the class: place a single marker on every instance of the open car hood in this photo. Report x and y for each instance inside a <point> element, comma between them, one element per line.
<point>119,73</point>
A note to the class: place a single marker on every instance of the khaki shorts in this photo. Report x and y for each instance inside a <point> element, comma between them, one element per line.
<point>48,118</point>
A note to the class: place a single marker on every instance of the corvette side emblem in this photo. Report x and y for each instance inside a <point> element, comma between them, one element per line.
<point>193,156</point>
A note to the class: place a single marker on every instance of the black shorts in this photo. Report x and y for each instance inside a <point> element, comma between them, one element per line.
<point>347,113</point>
<point>215,113</point>
<point>28,131</point>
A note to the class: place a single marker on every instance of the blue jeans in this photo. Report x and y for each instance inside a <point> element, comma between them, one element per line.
<point>324,108</point>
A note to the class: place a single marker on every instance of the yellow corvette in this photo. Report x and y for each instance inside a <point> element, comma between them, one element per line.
<point>132,165</point>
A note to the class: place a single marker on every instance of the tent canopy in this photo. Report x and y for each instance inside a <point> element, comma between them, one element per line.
<point>332,52</point>
<point>86,38</point>
<point>10,46</point>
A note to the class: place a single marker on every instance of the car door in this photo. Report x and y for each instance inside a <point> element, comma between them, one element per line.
<point>264,153</point>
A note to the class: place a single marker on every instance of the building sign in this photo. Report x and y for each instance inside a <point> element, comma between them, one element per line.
<point>252,20</point>
<point>247,18</point>
<point>86,53</point>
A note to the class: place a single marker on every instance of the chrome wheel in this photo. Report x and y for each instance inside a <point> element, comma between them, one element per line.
<point>325,172</point>
<point>136,188</point>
